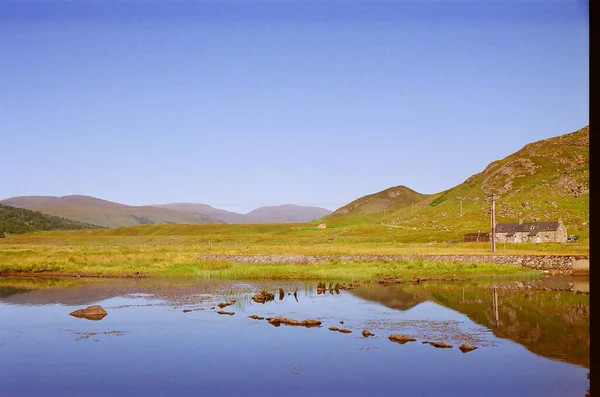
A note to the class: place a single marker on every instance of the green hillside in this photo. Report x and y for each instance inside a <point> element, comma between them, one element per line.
<point>20,220</point>
<point>374,207</point>
<point>544,181</point>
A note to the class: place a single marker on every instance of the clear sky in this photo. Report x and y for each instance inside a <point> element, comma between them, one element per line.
<point>241,104</point>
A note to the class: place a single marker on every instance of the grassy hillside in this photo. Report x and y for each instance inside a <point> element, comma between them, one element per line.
<point>106,213</point>
<point>374,207</point>
<point>20,220</point>
<point>544,181</point>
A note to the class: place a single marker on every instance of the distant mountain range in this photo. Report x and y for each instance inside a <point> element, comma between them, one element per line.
<point>96,211</point>
<point>544,181</point>
<point>287,213</point>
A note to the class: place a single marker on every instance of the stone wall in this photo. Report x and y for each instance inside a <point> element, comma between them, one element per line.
<point>556,264</point>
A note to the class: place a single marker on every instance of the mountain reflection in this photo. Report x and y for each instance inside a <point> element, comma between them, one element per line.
<point>553,324</point>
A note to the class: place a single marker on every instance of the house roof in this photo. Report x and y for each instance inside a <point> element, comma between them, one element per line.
<point>532,227</point>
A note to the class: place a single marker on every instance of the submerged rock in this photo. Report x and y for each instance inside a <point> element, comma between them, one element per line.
<point>400,338</point>
<point>263,296</point>
<point>465,348</point>
<point>277,321</point>
<point>348,286</point>
<point>440,345</point>
<point>254,316</point>
<point>222,312</point>
<point>95,312</point>
<point>390,280</point>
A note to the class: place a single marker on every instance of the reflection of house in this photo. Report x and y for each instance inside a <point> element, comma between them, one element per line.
<point>476,237</point>
<point>535,232</point>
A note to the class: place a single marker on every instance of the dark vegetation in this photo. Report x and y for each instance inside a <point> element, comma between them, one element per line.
<point>20,220</point>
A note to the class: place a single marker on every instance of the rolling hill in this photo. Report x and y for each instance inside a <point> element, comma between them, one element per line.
<point>287,213</point>
<point>106,213</point>
<point>20,220</point>
<point>544,181</point>
<point>225,216</point>
<point>387,200</point>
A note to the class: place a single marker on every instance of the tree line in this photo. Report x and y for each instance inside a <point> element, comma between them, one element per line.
<point>15,220</point>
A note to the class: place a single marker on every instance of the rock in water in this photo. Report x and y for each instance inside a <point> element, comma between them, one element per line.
<point>263,296</point>
<point>465,348</point>
<point>440,345</point>
<point>95,312</point>
<point>402,339</point>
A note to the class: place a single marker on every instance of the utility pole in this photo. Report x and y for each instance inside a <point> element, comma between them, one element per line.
<point>493,221</point>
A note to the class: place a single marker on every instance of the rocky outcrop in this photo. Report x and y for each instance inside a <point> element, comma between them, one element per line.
<point>95,312</point>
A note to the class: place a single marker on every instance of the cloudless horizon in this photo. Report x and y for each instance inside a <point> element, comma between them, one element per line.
<point>243,104</point>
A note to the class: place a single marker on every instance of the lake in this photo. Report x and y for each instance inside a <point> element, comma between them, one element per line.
<point>532,338</point>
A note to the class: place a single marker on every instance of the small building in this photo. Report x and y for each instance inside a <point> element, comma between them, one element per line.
<point>532,232</point>
<point>476,237</point>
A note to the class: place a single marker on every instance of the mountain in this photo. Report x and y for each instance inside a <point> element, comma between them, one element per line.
<point>20,220</point>
<point>106,213</point>
<point>544,181</point>
<point>387,200</point>
<point>225,216</point>
<point>287,213</point>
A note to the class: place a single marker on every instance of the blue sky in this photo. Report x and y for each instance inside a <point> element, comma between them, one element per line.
<point>240,104</point>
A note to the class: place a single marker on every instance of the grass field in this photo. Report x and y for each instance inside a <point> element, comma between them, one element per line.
<point>176,250</point>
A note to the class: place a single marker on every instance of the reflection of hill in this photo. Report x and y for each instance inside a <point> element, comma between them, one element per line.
<point>392,297</point>
<point>84,292</point>
<point>549,323</point>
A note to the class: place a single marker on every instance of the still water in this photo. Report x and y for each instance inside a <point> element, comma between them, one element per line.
<point>532,340</point>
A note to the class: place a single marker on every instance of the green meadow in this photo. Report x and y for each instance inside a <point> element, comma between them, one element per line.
<point>179,250</point>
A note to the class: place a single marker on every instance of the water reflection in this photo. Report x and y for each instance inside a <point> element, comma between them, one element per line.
<point>550,323</point>
<point>199,350</point>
